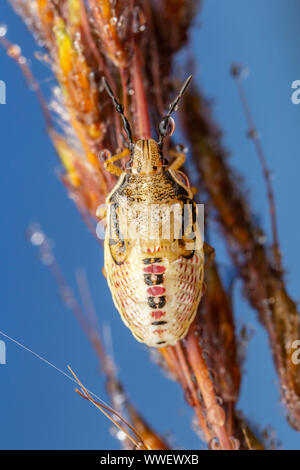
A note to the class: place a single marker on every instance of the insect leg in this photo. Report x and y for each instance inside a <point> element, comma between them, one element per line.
<point>101,212</point>
<point>179,159</point>
<point>109,163</point>
<point>209,253</point>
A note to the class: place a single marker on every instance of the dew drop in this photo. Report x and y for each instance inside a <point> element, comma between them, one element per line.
<point>119,398</point>
<point>239,71</point>
<point>172,126</point>
<point>188,397</point>
<point>261,239</point>
<point>214,444</point>
<point>139,20</point>
<point>22,60</point>
<point>37,238</point>
<point>3,30</point>
<point>200,396</point>
<point>121,25</point>
<point>216,415</point>
<point>235,443</point>
<point>182,148</point>
<point>219,400</point>
<point>113,20</point>
<point>193,378</point>
<point>92,76</point>
<point>14,51</point>
<point>104,155</point>
<point>67,297</point>
<point>57,91</point>
<point>121,435</point>
<point>46,258</point>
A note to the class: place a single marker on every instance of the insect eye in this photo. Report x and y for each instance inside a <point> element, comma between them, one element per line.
<point>166,126</point>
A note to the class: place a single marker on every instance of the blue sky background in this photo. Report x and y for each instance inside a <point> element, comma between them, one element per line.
<point>38,407</point>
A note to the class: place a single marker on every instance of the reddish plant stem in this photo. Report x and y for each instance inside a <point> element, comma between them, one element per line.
<point>206,386</point>
<point>190,386</point>
<point>142,120</point>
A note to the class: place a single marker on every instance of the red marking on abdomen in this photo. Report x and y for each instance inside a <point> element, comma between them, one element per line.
<point>155,269</point>
<point>158,314</point>
<point>159,332</point>
<point>156,290</point>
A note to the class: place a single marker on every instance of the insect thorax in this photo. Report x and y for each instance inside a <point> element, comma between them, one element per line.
<point>150,210</point>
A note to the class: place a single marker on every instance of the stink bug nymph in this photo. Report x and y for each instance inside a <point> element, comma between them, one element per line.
<point>155,279</point>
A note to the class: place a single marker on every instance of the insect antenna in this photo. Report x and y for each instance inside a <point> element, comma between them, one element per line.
<point>120,109</point>
<point>164,124</point>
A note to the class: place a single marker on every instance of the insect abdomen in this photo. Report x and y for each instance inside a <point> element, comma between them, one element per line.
<point>156,295</point>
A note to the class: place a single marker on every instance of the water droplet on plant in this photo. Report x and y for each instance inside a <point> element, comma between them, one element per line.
<point>14,51</point>
<point>3,30</point>
<point>121,435</point>
<point>139,20</point>
<point>200,396</point>
<point>219,400</point>
<point>188,397</point>
<point>239,71</point>
<point>57,91</point>
<point>67,297</point>
<point>182,148</point>
<point>235,443</point>
<point>214,444</point>
<point>104,155</point>
<point>261,239</point>
<point>172,126</point>
<point>37,238</point>
<point>216,415</point>
<point>113,20</point>
<point>193,378</point>
<point>121,25</point>
<point>46,258</point>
